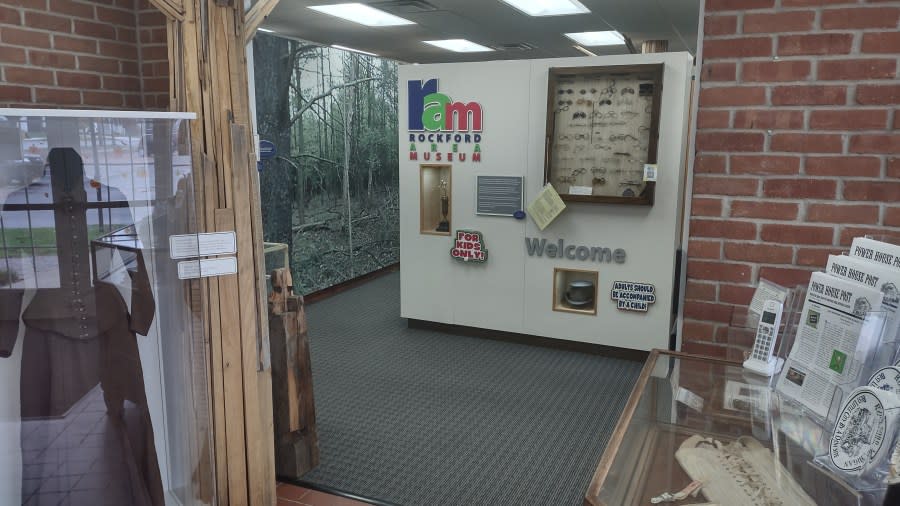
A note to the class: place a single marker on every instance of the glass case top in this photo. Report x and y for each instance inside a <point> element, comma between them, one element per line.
<point>701,419</point>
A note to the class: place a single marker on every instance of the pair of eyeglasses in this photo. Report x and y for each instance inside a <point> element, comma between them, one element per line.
<point>622,137</point>
<point>604,102</point>
<point>564,102</point>
<point>599,181</point>
<point>578,172</point>
<point>579,115</point>
<point>627,91</point>
<point>569,91</point>
<point>610,88</point>
<point>598,170</point>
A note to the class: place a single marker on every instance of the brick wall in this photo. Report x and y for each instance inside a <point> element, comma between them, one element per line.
<point>796,151</point>
<point>154,52</point>
<point>79,53</point>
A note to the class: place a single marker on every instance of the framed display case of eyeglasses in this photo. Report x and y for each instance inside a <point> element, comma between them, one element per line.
<point>602,128</point>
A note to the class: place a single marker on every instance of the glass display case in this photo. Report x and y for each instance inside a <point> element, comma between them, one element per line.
<point>602,128</point>
<point>697,419</point>
<point>103,357</point>
<point>435,199</point>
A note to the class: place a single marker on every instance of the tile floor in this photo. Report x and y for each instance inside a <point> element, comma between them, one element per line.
<point>76,459</point>
<point>292,495</point>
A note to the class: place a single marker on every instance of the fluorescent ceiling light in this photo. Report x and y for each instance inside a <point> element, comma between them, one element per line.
<point>362,14</point>
<point>583,50</point>
<point>266,30</point>
<point>345,48</point>
<point>458,45</point>
<point>609,38</point>
<point>549,7</point>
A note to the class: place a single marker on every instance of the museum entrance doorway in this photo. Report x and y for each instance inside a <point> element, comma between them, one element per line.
<point>349,183</point>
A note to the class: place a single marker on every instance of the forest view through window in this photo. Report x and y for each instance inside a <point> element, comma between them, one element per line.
<point>331,192</point>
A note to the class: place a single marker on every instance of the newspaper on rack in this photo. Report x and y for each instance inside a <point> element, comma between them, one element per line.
<point>887,257</point>
<point>830,332</point>
<point>874,275</point>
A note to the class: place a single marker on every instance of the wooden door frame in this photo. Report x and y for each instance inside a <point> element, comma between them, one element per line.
<point>208,76</point>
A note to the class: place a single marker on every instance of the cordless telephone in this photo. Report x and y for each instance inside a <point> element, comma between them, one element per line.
<point>761,360</point>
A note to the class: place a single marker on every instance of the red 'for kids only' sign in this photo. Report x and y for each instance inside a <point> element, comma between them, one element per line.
<point>469,247</point>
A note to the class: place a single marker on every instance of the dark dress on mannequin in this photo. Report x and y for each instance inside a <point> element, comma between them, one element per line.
<point>76,336</point>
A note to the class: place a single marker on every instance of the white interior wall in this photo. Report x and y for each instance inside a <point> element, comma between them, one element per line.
<point>511,291</point>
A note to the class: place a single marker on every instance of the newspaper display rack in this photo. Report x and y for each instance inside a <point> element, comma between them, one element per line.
<point>840,383</point>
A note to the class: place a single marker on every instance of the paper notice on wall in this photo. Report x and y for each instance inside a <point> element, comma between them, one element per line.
<point>207,267</point>
<point>546,207</point>
<point>873,275</point>
<point>831,333</point>
<point>201,245</point>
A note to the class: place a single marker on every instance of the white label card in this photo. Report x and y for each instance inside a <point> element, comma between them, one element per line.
<point>201,245</point>
<point>580,190</point>
<point>207,267</point>
<point>649,172</point>
<point>689,399</point>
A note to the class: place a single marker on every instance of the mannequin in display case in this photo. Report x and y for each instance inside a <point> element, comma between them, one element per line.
<point>76,332</point>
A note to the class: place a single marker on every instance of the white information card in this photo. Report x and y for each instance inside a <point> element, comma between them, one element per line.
<point>201,245</point>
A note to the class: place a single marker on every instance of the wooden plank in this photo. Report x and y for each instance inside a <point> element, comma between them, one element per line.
<point>217,382</point>
<point>209,77</point>
<point>255,16</point>
<point>256,214</point>
<point>232,372</point>
<point>260,452</point>
<point>173,9</point>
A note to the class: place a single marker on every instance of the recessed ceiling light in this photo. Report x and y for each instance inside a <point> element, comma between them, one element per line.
<point>362,14</point>
<point>458,45</point>
<point>549,7</point>
<point>360,51</point>
<point>266,30</point>
<point>609,38</point>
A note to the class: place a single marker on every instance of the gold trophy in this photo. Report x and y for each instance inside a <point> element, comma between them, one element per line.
<point>444,225</point>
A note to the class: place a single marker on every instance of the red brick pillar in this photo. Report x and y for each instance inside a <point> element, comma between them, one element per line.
<point>797,149</point>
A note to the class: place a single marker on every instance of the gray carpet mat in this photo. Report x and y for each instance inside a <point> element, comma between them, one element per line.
<point>414,417</point>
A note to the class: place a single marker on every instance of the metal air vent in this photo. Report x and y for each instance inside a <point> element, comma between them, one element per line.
<point>404,6</point>
<point>515,46</point>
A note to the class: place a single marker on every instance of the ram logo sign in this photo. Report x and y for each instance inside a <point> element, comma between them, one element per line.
<point>443,125</point>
